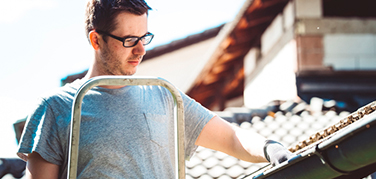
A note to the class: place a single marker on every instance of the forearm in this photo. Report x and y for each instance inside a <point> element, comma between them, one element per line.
<point>220,135</point>
<point>248,145</point>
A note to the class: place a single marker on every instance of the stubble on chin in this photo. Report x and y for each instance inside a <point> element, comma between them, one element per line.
<point>133,70</point>
<point>113,65</point>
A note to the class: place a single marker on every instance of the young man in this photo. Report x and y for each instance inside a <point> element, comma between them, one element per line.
<point>127,131</point>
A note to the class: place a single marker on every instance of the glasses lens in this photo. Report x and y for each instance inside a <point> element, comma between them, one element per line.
<point>131,41</point>
<point>147,39</point>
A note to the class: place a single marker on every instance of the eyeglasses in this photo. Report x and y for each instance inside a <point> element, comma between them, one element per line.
<point>131,41</point>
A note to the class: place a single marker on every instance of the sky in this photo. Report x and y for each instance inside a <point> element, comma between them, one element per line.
<point>43,41</point>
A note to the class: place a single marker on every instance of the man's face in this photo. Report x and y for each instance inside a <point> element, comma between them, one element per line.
<point>114,58</point>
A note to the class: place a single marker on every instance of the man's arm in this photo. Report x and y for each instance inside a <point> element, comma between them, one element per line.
<point>220,135</point>
<point>38,168</point>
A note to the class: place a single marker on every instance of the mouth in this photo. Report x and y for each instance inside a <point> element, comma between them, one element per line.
<point>134,62</point>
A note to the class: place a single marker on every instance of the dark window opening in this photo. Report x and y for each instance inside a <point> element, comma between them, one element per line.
<point>349,8</point>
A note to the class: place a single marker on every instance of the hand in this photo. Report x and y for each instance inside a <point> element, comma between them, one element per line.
<point>276,153</point>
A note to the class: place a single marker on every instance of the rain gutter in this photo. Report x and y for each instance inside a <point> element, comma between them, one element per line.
<point>344,153</point>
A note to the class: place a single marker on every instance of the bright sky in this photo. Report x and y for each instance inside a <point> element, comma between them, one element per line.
<point>43,41</point>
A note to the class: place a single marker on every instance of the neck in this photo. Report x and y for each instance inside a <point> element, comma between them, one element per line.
<point>92,73</point>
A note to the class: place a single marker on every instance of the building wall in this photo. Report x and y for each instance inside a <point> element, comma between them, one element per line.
<point>301,39</point>
<point>350,51</point>
<point>310,51</point>
<point>271,35</point>
<point>308,8</point>
<point>333,43</point>
<point>270,71</point>
<point>276,81</point>
<point>337,51</point>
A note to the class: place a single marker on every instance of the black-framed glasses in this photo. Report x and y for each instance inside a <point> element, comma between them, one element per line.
<point>130,41</point>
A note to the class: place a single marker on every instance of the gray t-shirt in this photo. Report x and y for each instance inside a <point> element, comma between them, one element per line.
<point>125,133</point>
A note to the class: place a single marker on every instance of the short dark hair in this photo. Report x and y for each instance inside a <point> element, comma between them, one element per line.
<point>101,14</point>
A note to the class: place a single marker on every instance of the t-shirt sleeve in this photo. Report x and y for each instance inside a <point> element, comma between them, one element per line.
<point>196,117</point>
<point>40,135</point>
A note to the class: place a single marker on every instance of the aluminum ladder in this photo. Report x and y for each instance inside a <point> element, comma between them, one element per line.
<point>126,81</point>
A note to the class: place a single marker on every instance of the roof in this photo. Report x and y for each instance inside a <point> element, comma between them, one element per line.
<point>223,75</point>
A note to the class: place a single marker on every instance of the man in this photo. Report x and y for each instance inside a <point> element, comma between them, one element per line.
<point>127,131</point>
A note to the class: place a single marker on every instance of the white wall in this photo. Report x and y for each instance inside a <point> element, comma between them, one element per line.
<point>250,61</point>
<point>277,28</point>
<point>276,81</point>
<point>350,51</point>
<point>272,34</point>
<point>308,8</point>
<point>288,15</point>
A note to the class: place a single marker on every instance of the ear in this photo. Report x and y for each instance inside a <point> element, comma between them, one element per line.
<point>94,39</point>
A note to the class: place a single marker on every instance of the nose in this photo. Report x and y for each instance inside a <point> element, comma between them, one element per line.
<point>139,49</point>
